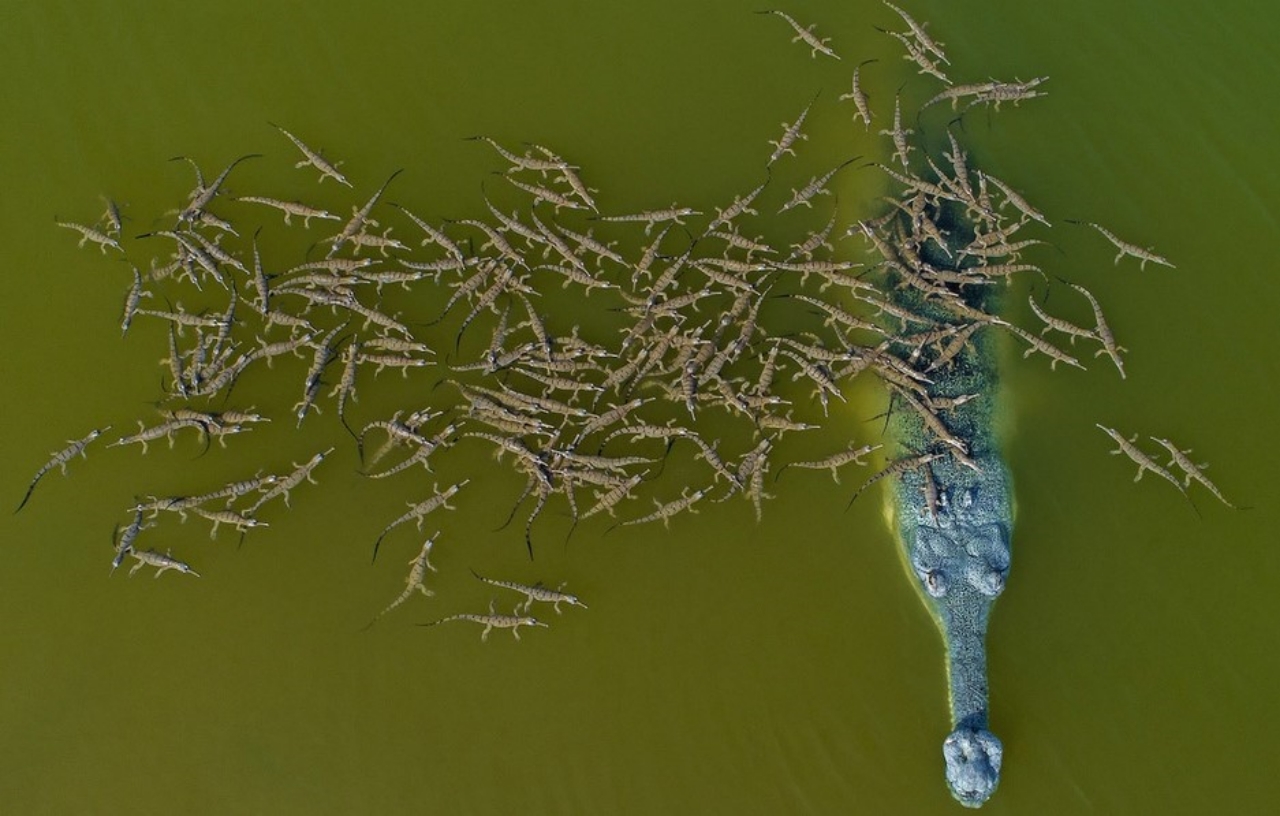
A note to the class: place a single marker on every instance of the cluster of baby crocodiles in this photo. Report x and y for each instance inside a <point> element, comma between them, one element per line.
<point>689,339</point>
<point>415,581</point>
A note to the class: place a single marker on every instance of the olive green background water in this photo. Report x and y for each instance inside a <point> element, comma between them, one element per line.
<point>728,666</point>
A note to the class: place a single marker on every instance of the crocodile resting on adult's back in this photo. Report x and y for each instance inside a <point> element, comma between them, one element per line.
<point>953,516</point>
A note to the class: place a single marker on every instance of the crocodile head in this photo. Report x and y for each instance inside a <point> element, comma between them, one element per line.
<point>973,759</point>
<point>975,554</point>
<point>966,541</point>
<point>959,554</point>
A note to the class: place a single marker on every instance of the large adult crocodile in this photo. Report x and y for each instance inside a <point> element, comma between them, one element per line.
<point>953,522</point>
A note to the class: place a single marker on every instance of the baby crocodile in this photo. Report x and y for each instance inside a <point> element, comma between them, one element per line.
<point>492,621</point>
<point>537,592</point>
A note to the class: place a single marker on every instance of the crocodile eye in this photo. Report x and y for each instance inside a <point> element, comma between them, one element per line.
<point>935,583</point>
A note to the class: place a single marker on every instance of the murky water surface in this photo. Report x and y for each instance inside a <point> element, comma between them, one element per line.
<point>726,666</point>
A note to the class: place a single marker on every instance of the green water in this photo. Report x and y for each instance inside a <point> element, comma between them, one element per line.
<point>726,667</point>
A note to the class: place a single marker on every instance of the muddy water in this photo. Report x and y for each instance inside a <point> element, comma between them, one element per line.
<point>726,666</point>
